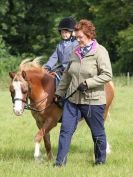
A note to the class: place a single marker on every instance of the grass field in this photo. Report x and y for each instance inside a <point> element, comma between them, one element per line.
<point>17,143</point>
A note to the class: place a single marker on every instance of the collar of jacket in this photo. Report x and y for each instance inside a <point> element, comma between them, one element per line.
<point>92,51</point>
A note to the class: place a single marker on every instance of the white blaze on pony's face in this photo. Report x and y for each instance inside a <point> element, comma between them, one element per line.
<point>19,91</point>
<point>18,95</point>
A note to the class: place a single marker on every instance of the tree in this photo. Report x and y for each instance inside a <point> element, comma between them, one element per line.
<point>125,51</point>
<point>29,27</point>
<point>112,16</point>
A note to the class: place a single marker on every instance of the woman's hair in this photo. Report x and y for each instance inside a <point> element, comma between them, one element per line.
<point>87,27</point>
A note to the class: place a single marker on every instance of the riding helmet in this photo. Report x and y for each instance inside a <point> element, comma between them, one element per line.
<point>67,23</point>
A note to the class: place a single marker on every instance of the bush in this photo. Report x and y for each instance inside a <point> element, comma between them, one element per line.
<point>123,66</point>
<point>9,64</point>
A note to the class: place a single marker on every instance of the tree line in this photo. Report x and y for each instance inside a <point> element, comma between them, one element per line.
<point>29,27</point>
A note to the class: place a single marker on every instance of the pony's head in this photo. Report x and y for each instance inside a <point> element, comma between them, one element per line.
<point>19,91</point>
<point>19,87</point>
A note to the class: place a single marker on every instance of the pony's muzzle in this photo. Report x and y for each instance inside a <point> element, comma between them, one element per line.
<point>18,112</point>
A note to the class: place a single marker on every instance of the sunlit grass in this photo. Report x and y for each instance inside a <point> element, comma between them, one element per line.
<point>17,143</point>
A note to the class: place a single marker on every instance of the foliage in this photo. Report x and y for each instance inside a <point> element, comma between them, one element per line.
<point>29,27</point>
<point>3,49</point>
<point>10,64</point>
<point>125,51</point>
<point>112,16</point>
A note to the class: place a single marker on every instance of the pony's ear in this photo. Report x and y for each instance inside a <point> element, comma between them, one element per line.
<point>12,74</point>
<point>24,75</point>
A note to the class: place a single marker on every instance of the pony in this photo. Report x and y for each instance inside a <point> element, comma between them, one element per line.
<point>34,83</point>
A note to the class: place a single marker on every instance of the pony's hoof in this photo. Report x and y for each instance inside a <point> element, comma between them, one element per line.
<point>108,149</point>
<point>39,159</point>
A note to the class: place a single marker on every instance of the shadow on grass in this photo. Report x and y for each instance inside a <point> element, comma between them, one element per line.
<point>28,154</point>
<point>8,154</point>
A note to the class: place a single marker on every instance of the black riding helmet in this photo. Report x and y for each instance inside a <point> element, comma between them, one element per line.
<point>67,23</point>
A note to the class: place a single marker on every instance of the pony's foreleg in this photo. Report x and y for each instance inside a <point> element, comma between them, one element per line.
<point>108,148</point>
<point>47,144</point>
<point>38,138</point>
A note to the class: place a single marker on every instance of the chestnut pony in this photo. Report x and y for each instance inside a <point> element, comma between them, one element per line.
<point>32,82</point>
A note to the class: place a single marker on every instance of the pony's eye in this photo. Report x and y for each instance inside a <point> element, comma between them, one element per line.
<point>12,90</point>
<point>24,90</point>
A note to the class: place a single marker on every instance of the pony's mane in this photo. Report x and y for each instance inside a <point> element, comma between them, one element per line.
<point>30,64</point>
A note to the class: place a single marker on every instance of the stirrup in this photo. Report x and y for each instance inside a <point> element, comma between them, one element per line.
<point>57,76</point>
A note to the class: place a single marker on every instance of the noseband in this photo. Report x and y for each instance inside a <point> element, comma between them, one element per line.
<point>18,99</point>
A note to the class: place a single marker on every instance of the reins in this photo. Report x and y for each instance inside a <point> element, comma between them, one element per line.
<point>66,98</point>
<point>31,108</point>
<point>28,106</point>
<point>61,101</point>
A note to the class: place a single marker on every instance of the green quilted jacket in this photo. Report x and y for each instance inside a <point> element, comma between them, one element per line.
<point>94,68</point>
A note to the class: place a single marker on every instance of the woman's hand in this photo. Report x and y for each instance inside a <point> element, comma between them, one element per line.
<point>57,99</point>
<point>82,87</point>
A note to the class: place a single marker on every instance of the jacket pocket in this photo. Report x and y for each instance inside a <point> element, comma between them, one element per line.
<point>93,95</point>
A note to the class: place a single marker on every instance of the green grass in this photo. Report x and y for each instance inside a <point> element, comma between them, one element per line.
<point>17,143</point>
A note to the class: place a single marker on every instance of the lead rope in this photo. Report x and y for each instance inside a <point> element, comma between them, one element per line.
<point>28,106</point>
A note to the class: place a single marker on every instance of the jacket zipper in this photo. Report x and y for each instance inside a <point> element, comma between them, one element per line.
<point>79,79</point>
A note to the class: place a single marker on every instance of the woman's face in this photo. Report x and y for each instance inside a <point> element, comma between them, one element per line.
<point>82,38</point>
<point>65,34</point>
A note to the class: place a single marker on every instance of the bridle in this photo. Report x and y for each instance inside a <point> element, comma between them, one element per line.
<point>29,106</point>
<point>19,99</point>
